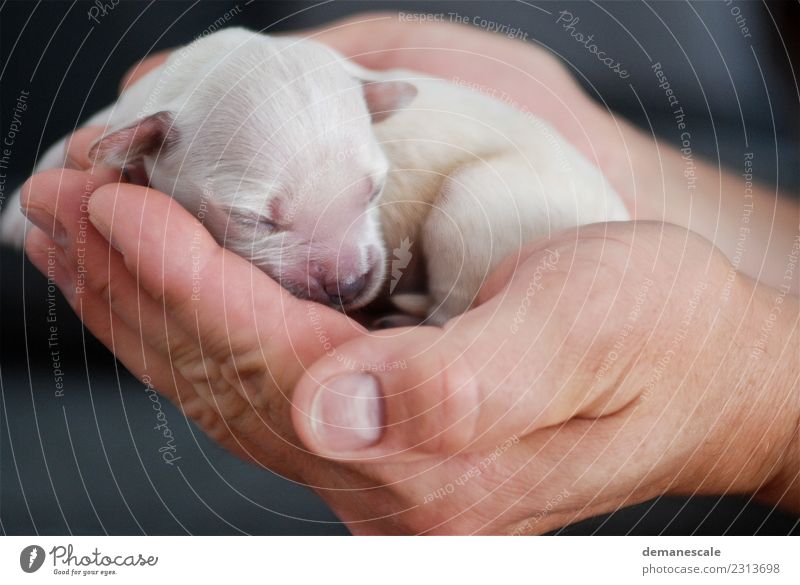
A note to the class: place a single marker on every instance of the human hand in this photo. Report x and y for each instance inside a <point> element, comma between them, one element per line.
<point>224,372</point>
<point>559,433</point>
<point>617,361</point>
<point>514,409</point>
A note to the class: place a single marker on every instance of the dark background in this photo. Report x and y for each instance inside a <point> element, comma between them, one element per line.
<point>88,462</point>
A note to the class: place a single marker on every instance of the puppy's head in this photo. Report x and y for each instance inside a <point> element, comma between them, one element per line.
<point>272,147</point>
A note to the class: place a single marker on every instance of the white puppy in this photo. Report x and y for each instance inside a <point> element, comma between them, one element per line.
<point>313,168</point>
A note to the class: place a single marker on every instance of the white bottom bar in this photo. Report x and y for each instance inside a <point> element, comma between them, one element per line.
<point>401,560</point>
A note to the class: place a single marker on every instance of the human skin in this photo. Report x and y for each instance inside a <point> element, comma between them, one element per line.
<point>619,359</point>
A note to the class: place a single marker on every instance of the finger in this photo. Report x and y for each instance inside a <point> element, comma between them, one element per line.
<point>100,271</point>
<point>42,203</point>
<point>346,35</point>
<point>77,148</point>
<point>57,202</point>
<point>56,198</point>
<point>53,262</point>
<point>142,68</point>
<point>142,360</point>
<point>242,318</point>
<point>46,255</point>
<point>380,40</point>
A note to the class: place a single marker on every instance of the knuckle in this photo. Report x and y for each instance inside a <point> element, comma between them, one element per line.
<point>247,371</point>
<point>108,286</point>
<point>102,286</point>
<point>187,357</point>
<point>445,410</point>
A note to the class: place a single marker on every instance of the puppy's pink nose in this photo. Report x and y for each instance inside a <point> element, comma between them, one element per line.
<point>346,290</point>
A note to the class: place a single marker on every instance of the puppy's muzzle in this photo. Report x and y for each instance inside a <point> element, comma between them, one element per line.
<point>342,284</point>
<point>345,291</point>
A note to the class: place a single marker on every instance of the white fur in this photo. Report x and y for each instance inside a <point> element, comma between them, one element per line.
<point>259,119</point>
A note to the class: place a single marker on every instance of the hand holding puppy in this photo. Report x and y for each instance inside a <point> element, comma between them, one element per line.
<point>597,369</point>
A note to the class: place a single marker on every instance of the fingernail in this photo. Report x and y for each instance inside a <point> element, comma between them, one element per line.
<point>48,224</point>
<point>347,413</point>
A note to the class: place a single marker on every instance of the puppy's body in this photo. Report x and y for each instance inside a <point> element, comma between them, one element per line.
<point>249,126</point>
<point>473,180</point>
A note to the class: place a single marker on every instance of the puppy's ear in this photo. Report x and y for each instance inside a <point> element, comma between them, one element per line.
<point>384,98</point>
<point>129,145</point>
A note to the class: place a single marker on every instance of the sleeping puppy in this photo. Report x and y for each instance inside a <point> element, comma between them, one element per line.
<point>341,183</point>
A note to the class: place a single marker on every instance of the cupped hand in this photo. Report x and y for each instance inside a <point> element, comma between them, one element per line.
<point>216,335</point>
<point>602,367</point>
<point>543,405</point>
<point>598,369</point>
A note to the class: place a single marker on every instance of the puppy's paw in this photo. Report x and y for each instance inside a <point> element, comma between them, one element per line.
<point>416,304</point>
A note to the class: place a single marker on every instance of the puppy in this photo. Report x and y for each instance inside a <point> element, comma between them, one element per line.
<point>341,183</point>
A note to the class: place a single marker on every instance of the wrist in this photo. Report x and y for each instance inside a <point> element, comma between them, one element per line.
<point>755,446</point>
<point>774,347</point>
<point>783,490</point>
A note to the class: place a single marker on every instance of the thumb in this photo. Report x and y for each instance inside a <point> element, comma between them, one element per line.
<point>381,395</point>
<point>405,393</point>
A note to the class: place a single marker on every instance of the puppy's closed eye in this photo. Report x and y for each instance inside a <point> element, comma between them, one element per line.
<point>261,223</point>
<point>268,224</point>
